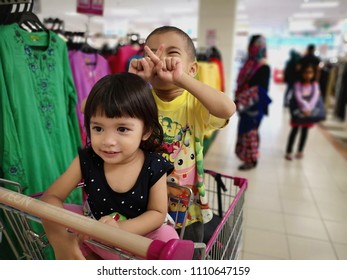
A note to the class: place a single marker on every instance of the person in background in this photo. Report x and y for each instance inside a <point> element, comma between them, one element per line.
<point>311,58</point>
<point>125,179</point>
<point>306,94</point>
<point>290,75</point>
<point>252,101</point>
<point>188,110</point>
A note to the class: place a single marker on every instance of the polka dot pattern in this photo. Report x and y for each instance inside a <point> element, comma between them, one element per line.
<point>104,201</point>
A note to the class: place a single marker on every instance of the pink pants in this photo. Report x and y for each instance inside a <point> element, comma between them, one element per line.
<point>164,233</point>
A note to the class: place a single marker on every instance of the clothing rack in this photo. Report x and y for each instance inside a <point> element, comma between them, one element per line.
<point>18,6</point>
<point>55,24</point>
<point>11,10</point>
<point>8,2</point>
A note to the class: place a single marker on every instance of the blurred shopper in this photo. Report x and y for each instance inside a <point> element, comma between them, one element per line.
<point>311,58</point>
<point>306,108</point>
<point>290,75</point>
<point>252,101</point>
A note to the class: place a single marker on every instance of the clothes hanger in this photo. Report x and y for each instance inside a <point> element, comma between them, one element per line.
<point>30,22</point>
<point>10,10</point>
<point>54,24</point>
<point>86,48</point>
<point>20,11</point>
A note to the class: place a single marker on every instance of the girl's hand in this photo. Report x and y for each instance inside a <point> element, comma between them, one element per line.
<point>105,220</point>
<point>109,221</point>
<point>307,113</point>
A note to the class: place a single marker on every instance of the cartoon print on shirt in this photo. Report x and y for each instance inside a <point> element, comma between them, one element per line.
<point>184,160</point>
<point>178,208</point>
<point>206,212</point>
<point>171,129</point>
<point>186,153</point>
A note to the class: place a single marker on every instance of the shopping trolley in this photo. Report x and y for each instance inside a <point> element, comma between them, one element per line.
<point>226,198</point>
<point>226,195</point>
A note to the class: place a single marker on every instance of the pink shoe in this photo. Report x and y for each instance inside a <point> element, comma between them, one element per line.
<point>288,157</point>
<point>299,155</point>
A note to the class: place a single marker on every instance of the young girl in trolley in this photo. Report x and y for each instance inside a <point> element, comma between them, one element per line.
<point>124,176</point>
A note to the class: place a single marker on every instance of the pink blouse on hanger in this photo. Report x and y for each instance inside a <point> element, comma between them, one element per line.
<point>119,61</point>
<point>87,69</point>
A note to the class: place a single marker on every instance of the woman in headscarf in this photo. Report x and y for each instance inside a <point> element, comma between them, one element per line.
<point>252,101</point>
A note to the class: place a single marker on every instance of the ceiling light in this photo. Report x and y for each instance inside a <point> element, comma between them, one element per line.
<point>309,15</point>
<point>320,4</point>
<point>241,16</point>
<point>300,25</point>
<point>179,10</point>
<point>242,22</point>
<point>123,12</point>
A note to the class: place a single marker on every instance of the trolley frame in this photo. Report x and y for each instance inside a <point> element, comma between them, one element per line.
<point>225,194</point>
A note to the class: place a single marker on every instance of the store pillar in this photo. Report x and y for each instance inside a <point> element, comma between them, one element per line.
<point>216,27</point>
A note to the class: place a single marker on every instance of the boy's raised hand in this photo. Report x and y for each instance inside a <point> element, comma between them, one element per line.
<point>145,67</point>
<point>167,68</point>
<point>142,67</point>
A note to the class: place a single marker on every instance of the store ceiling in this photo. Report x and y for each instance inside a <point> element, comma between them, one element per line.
<point>269,15</point>
<point>277,14</point>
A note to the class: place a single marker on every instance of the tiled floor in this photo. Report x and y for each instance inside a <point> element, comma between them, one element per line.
<point>293,210</point>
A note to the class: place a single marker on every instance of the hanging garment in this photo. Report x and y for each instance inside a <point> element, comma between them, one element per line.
<point>38,123</point>
<point>87,69</point>
<point>208,73</point>
<point>119,61</point>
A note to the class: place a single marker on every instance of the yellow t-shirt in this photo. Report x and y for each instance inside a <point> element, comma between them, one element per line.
<point>185,122</point>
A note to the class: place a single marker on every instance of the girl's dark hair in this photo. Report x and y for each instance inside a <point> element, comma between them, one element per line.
<point>303,68</point>
<point>125,95</point>
<point>189,42</point>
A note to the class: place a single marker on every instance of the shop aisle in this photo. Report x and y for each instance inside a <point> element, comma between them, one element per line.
<point>293,210</point>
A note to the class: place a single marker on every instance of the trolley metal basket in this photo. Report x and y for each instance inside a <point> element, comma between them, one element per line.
<point>226,195</point>
<point>226,198</point>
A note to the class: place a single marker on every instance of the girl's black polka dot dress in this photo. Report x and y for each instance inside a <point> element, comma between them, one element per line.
<point>103,200</point>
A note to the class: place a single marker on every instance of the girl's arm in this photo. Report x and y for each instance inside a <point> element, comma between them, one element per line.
<point>65,244</point>
<point>306,106</point>
<point>155,215</point>
<point>316,92</point>
<point>298,94</point>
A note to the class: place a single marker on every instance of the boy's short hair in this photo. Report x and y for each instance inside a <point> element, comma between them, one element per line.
<point>189,42</point>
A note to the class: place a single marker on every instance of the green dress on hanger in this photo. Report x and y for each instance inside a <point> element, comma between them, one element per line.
<point>39,133</point>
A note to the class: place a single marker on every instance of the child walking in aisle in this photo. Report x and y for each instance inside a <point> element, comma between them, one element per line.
<point>302,105</point>
<point>125,179</point>
<point>188,110</point>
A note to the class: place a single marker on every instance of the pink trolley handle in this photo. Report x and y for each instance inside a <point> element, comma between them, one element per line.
<point>135,244</point>
<point>174,249</point>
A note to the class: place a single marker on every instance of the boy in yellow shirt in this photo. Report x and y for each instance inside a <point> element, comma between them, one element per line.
<point>188,110</point>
